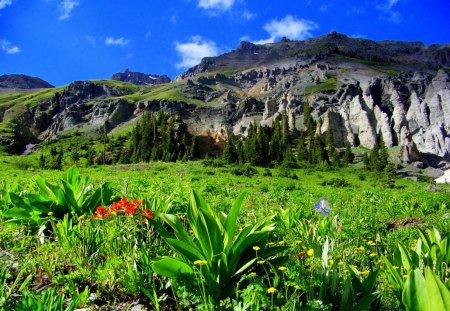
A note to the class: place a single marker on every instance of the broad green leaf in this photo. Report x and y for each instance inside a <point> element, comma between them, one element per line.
<point>438,293</point>
<point>415,295</point>
<point>365,302</point>
<point>231,220</point>
<point>188,250</point>
<point>172,268</point>
<point>175,223</point>
<point>406,260</point>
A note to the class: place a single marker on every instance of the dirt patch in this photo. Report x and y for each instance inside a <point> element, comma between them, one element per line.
<point>400,223</point>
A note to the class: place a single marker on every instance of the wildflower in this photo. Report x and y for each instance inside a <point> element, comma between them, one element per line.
<point>372,254</point>
<point>72,213</point>
<point>341,263</point>
<point>50,214</point>
<point>323,207</point>
<point>371,243</point>
<point>101,213</point>
<point>272,290</point>
<point>256,248</point>
<point>252,274</point>
<point>200,262</point>
<point>365,272</point>
<point>260,262</point>
<point>331,262</point>
<point>361,248</point>
<point>59,225</point>
<point>282,268</point>
<point>310,252</point>
<point>147,213</point>
<point>297,287</point>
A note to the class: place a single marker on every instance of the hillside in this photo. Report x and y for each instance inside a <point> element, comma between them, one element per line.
<point>361,89</point>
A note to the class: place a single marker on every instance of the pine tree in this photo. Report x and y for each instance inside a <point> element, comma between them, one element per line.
<point>42,161</point>
<point>366,161</point>
<point>348,155</point>
<point>383,155</point>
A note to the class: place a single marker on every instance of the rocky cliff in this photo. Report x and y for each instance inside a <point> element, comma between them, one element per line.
<point>140,78</point>
<point>361,89</point>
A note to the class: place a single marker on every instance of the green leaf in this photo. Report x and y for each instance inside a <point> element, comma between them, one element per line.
<point>231,220</point>
<point>406,260</point>
<point>172,268</point>
<point>365,302</point>
<point>415,295</point>
<point>439,295</point>
<point>188,250</point>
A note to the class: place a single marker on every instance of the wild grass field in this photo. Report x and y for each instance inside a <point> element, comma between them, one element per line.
<point>206,236</point>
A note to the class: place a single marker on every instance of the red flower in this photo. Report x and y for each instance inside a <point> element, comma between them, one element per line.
<point>101,213</point>
<point>147,213</point>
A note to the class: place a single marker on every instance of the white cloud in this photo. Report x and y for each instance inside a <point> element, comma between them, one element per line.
<point>66,7</point>
<point>5,3</point>
<point>119,41</point>
<point>289,27</point>
<point>221,5</point>
<point>91,40</point>
<point>387,6</point>
<point>192,52</point>
<point>247,15</point>
<point>388,9</point>
<point>7,47</point>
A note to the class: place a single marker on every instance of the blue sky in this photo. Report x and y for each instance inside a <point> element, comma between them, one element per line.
<point>66,40</point>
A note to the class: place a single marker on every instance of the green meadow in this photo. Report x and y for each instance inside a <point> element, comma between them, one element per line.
<point>203,235</point>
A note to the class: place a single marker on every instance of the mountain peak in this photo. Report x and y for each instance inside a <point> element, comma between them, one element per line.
<point>140,78</point>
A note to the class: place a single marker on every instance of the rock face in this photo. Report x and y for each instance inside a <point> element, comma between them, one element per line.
<point>139,78</point>
<point>23,82</point>
<point>362,90</point>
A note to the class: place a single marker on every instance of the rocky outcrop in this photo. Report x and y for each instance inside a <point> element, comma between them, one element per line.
<point>23,82</point>
<point>140,78</point>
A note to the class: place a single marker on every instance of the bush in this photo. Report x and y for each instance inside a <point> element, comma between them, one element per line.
<point>244,170</point>
<point>336,183</point>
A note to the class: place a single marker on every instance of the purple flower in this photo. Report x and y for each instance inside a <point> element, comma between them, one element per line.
<point>323,206</point>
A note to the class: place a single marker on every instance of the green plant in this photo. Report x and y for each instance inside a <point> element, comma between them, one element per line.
<point>49,300</point>
<point>74,195</point>
<point>425,293</point>
<point>221,252</point>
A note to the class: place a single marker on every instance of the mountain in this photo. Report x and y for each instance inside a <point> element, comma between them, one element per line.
<point>24,82</point>
<point>139,78</point>
<point>361,89</point>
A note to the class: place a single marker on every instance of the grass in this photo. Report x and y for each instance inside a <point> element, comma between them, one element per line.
<point>378,66</point>
<point>113,258</point>
<point>328,85</point>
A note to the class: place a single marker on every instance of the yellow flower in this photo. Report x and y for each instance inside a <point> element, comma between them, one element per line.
<point>252,274</point>
<point>297,287</point>
<point>310,252</point>
<point>371,243</point>
<point>200,262</point>
<point>50,214</point>
<point>365,272</point>
<point>260,262</point>
<point>405,276</point>
<point>282,268</point>
<point>345,270</point>
<point>281,243</point>
<point>361,248</point>
<point>341,263</point>
<point>272,290</point>
<point>395,267</point>
<point>256,248</point>
<point>331,262</point>
<point>72,213</point>
<point>59,225</point>
<point>373,255</point>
